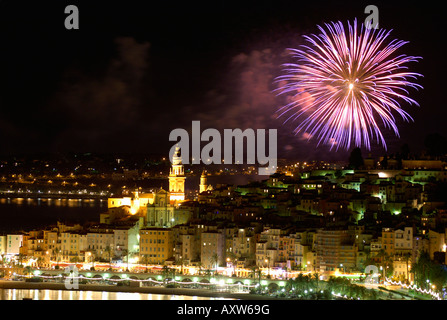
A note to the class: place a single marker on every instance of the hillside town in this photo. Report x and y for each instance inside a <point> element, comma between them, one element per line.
<point>304,218</point>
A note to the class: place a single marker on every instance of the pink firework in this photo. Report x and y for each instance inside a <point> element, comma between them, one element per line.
<point>345,85</point>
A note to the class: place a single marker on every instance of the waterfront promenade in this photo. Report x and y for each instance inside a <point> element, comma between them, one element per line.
<point>7,284</point>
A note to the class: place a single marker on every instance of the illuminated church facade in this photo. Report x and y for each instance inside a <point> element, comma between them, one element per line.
<point>160,208</point>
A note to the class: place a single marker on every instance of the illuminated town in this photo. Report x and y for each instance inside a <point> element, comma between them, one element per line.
<point>371,224</point>
<point>274,151</point>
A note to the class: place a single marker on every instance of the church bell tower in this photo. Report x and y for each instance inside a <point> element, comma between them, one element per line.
<point>177,178</point>
<point>203,185</point>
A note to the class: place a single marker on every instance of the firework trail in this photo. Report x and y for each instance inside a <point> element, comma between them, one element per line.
<point>345,83</point>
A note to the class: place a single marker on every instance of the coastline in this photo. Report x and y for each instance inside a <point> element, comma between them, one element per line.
<point>5,284</point>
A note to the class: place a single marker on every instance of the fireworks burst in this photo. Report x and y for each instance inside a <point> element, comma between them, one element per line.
<point>344,84</point>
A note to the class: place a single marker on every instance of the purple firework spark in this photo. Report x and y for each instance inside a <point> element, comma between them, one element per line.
<point>345,83</point>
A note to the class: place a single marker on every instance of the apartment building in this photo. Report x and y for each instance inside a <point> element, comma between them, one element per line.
<point>190,248</point>
<point>436,242</point>
<point>335,249</point>
<point>35,246</point>
<point>244,246</point>
<point>51,243</point>
<point>286,252</point>
<point>125,239</point>
<point>13,243</point>
<point>299,255</point>
<point>267,247</point>
<point>156,245</point>
<point>100,244</point>
<point>212,249</point>
<point>403,241</point>
<point>388,241</point>
<point>73,245</point>
<point>2,245</point>
<point>420,244</point>
<point>186,244</point>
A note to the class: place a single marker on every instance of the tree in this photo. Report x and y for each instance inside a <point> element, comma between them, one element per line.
<point>232,258</point>
<point>27,270</point>
<point>168,272</point>
<point>256,273</point>
<point>386,261</point>
<point>301,282</point>
<point>438,275</point>
<point>407,258</point>
<point>316,280</point>
<point>421,269</point>
<point>355,159</point>
<point>338,173</point>
<point>428,272</point>
<point>214,260</point>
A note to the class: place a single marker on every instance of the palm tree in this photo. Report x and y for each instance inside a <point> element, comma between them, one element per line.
<point>386,262</point>
<point>21,256</point>
<point>407,257</point>
<point>362,291</point>
<point>316,279</point>
<point>27,270</point>
<point>300,282</point>
<point>290,285</point>
<point>214,261</point>
<point>421,269</point>
<point>208,274</point>
<point>168,273</point>
<point>368,259</point>
<point>232,258</point>
<point>256,272</point>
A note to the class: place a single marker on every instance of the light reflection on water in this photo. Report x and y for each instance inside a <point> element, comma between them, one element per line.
<point>45,294</point>
<point>56,202</point>
<point>27,214</point>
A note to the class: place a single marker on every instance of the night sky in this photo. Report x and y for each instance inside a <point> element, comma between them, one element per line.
<point>134,71</point>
